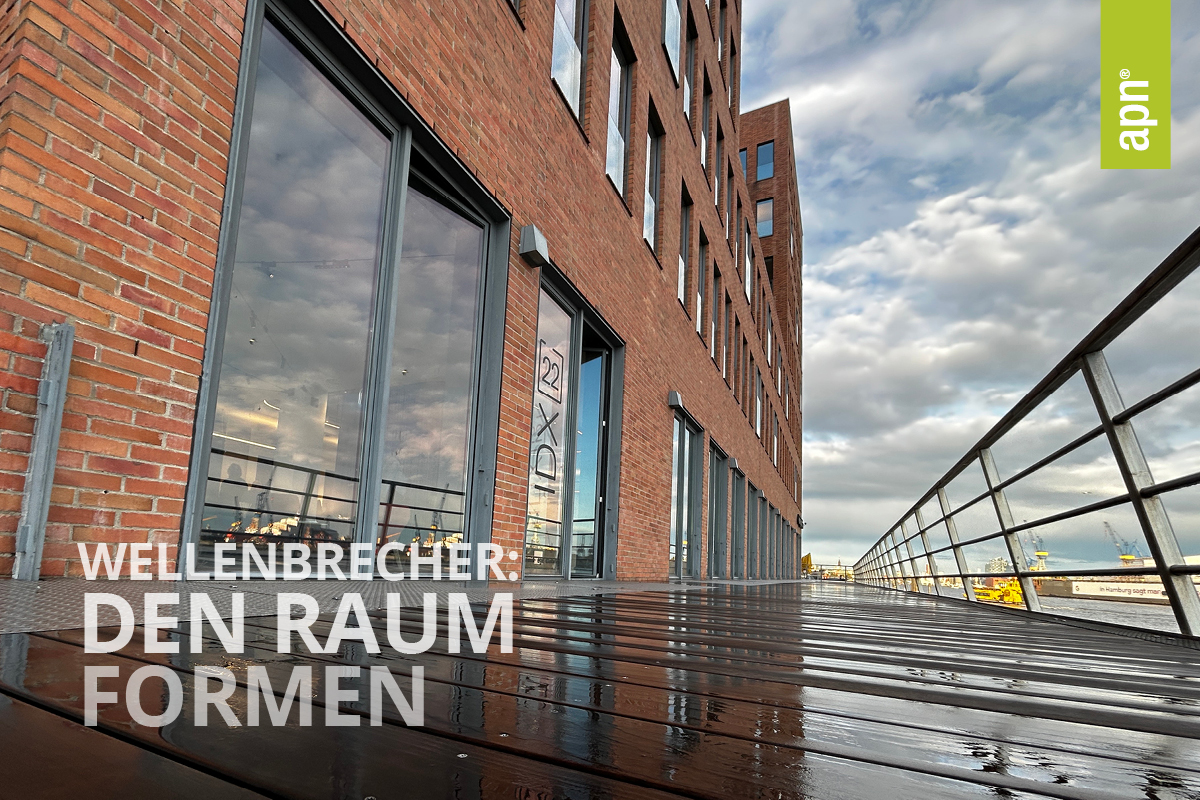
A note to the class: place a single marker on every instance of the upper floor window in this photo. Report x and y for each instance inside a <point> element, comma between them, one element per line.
<point>769,336</point>
<point>689,74</point>
<point>685,248</point>
<point>729,200</point>
<point>765,160</point>
<point>618,117</point>
<point>672,34</point>
<point>714,313</point>
<point>749,263</point>
<point>765,211</point>
<point>726,341</point>
<point>701,283</point>
<point>742,153</point>
<point>775,438</point>
<point>758,404</point>
<point>566,63</point>
<point>653,181</point>
<point>705,122</point>
<point>721,35</point>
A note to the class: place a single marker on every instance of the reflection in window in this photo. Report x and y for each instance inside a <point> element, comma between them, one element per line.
<point>765,159</point>
<point>685,249</point>
<point>765,210</point>
<point>284,463</point>
<point>672,34</point>
<point>425,440</point>
<point>685,490</point>
<point>653,182</point>
<point>547,448</point>
<point>566,64</point>
<point>618,117</point>
<point>689,74</point>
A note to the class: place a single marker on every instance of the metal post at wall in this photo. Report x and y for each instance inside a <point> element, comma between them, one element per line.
<point>959,557</point>
<point>1151,514</point>
<point>39,475</point>
<point>1015,551</point>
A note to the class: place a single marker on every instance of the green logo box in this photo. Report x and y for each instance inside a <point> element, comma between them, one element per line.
<point>1135,84</point>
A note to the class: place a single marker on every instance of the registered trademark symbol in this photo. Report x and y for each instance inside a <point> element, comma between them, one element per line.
<point>1124,74</point>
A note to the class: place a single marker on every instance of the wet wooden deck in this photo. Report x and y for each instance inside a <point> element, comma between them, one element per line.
<point>776,691</point>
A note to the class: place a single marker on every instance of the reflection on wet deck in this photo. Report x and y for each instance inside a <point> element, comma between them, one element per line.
<point>728,691</point>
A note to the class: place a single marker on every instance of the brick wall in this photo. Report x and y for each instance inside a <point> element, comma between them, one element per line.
<point>114,131</point>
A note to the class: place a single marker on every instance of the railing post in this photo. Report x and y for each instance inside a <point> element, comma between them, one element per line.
<point>916,580</point>
<point>1015,552</point>
<point>952,532</point>
<point>43,452</point>
<point>933,570</point>
<point>1150,511</point>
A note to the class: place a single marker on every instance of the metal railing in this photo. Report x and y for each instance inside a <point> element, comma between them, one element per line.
<point>1080,467</point>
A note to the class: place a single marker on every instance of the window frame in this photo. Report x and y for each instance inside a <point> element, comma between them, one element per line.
<point>580,37</point>
<point>619,54</point>
<point>758,161</point>
<point>333,54</point>
<point>769,222</point>
<point>654,156</point>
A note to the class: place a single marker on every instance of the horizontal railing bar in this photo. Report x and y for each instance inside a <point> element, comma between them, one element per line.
<point>1173,269</point>
<point>1184,383</point>
<point>1181,482</point>
<point>1050,459</point>
<point>1099,505</point>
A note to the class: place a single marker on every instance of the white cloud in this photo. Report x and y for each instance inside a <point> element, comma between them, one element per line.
<point>959,234</point>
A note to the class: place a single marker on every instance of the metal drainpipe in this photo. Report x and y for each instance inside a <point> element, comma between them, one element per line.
<point>39,476</point>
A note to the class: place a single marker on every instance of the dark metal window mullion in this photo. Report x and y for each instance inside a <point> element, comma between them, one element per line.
<point>569,442</point>
<point>379,367</point>
<point>235,175</point>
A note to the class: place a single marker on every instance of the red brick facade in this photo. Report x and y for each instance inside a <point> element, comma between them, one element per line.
<point>115,127</point>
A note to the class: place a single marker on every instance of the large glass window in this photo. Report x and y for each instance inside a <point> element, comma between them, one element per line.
<point>701,283</point>
<point>286,431</point>
<point>308,421</point>
<point>765,160</point>
<point>737,526</point>
<point>618,118</point>
<point>424,465</point>
<point>765,210</point>
<point>566,64</point>
<point>718,510</point>
<point>685,498</point>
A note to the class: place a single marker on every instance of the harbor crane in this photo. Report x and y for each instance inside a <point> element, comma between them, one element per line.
<point>1126,550</point>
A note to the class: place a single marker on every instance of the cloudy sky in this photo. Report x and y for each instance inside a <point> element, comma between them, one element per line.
<point>960,236</point>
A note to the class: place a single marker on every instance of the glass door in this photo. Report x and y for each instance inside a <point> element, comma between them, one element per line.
<point>568,450</point>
